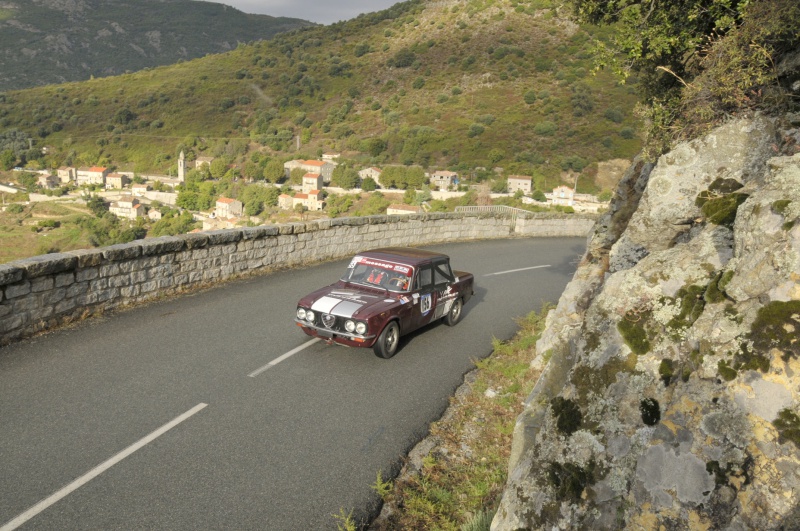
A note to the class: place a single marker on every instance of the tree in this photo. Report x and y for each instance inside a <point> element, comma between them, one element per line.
<point>296,176</point>
<point>96,204</point>
<point>7,159</point>
<point>345,177</point>
<point>369,184</point>
<point>218,168</point>
<point>274,172</point>
<point>659,40</point>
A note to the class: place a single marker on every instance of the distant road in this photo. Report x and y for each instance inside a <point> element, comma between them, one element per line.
<point>214,411</point>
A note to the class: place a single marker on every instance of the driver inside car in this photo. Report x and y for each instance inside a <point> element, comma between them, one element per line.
<point>376,276</point>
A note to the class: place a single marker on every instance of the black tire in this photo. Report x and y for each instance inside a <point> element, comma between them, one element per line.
<point>387,343</point>
<point>454,315</point>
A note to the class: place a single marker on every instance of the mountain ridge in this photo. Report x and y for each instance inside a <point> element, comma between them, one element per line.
<point>44,42</point>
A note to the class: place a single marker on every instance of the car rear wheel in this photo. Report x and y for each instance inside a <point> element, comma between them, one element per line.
<point>454,315</point>
<point>386,346</point>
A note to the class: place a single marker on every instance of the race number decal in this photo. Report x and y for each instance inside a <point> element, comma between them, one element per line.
<point>425,304</point>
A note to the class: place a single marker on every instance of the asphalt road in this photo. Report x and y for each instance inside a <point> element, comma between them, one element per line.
<point>206,412</point>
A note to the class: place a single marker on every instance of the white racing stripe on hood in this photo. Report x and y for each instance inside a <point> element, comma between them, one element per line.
<point>346,309</point>
<point>325,304</point>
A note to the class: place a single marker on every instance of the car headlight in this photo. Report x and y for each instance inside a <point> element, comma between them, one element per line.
<point>301,313</point>
<point>350,326</point>
<point>309,316</point>
<point>361,328</point>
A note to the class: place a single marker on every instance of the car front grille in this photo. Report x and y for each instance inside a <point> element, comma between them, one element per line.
<point>328,320</point>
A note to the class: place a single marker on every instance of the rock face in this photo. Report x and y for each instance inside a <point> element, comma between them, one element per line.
<point>671,395</point>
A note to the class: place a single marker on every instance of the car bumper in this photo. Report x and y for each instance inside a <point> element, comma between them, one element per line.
<point>343,338</point>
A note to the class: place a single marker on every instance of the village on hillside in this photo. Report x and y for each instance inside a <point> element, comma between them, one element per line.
<point>307,190</point>
<point>130,194</point>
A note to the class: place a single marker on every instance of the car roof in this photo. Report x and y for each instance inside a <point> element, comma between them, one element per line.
<point>403,255</point>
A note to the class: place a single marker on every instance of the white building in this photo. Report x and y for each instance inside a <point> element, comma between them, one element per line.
<point>519,182</point>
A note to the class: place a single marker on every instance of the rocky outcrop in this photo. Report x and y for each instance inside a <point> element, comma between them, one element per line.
<point>671,393</point>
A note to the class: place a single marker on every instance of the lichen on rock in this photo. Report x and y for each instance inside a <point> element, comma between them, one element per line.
<point>676,373</point>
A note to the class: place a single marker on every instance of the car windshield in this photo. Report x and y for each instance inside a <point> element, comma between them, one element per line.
<point>378,273</point>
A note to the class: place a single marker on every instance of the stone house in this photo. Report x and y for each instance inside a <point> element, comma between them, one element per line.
<point>91,175</point>
<point>519,182</point>
<point>311,200</point>
<point>311,181</point>
<point>444,179</point>
<point>199,161</point>
<point>127,207</point>
<point>324,168</point>
<point>116,181</point>
<point>66,174</point>
<point>563,195</point>
<point>228,208</point>
<point>48,181</point>
<point>139,190</point>
<point>285,202</point>
<point>373,173</point>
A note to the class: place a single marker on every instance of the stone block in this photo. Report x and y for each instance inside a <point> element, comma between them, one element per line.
<point>52,297</point>
<point>220,237</point>
<point>65,306</point>
<point>162,245</point>
<point>10,274</point>
<point>48,264</point>
<point>19,289</point>
<point>90,273</point>
<point>13,322</point>
<point>98,285</point>
<point>64,279</point>
<point>119,281</point>
<point>130,292</point>
<point>5,309</point>
<point>40,314</point>
<point>79,288</point>
<point>26,304</point>
<point>42,284</point>
<point>122,251</point>
<point>109,270</point>
<point>149,287</point>
<point>197,240</point>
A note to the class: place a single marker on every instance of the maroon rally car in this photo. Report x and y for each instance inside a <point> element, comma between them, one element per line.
<point>383,294</point>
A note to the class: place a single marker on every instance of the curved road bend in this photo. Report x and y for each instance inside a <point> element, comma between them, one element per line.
<point>214,411</point>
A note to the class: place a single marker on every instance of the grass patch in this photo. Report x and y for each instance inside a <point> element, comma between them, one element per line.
<point>453,491</point>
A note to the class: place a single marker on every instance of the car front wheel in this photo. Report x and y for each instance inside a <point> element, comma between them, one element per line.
<point>454,315</point>
<point>386,346</point>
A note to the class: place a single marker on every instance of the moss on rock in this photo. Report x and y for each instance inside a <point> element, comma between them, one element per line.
<point>568,415</point>
<point>788,425</point>
<point>632,329</point>
<point>777,325</point>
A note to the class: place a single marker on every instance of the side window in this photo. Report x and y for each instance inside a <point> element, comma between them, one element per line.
<point>442,273</point>
<point>424,277</point>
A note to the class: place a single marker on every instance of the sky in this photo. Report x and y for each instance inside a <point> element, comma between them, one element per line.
<point>319,11</point>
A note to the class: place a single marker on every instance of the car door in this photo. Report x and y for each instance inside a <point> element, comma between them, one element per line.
<point>443,280</point>
<point>424,295</point>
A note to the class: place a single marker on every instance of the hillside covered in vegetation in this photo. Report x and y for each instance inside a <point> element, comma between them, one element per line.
<point>456,85</point>
<point>43,42</point>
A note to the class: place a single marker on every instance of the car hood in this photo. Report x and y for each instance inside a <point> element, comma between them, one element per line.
<point>347,302</point>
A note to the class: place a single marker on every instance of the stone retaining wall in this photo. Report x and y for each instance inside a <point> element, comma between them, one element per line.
<point>45,291</point>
